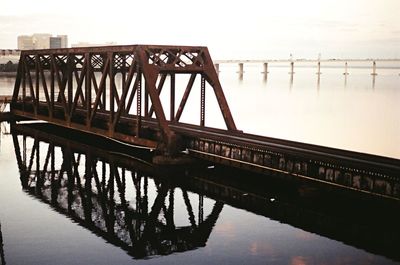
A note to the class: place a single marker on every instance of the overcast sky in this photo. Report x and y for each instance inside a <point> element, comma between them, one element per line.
<point>231,29</point>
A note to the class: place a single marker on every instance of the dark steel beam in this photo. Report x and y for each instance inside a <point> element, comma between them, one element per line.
<point>72,81</point>
<point>185,97</point>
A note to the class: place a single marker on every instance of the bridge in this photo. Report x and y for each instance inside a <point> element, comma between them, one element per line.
<point>291,62</point>
<point>115,92</point>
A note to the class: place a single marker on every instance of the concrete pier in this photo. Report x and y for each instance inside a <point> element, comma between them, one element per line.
<point>319,68</point>
<point>345,69</point>
<point>291,68</point>
<point>374,68</point>
<point>241,66</point>
<point>265,65</point>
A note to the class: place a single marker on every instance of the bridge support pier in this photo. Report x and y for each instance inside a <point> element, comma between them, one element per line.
<point>345,69</point>
<point>374,69</point>
<point>265,66</point>
<point>291,68</point>
<point>319,68</point>
<point>241,71</point>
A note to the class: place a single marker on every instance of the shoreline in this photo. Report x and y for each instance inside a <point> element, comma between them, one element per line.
<point>8,74</point>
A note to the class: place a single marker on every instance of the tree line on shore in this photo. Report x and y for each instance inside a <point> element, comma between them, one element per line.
<point>9,67</point>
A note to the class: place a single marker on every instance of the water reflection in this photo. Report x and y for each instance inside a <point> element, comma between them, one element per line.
<point>92,188</point>
<point>291,81</point>
<point>240,74</point>
<point>265,78</point>
<point>135,206</point>
<point>2,259</point>
<point>373,81</point>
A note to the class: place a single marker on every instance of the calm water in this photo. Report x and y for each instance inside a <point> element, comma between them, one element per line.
<point>357,113</point>
<point>136,216</point>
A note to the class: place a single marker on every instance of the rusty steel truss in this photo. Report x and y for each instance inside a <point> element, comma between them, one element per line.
<point>112,91</point>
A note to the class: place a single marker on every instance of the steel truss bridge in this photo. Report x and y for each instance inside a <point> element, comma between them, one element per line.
<point>115,92</point>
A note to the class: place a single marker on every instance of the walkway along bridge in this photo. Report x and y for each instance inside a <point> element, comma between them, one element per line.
<point>115,92</point>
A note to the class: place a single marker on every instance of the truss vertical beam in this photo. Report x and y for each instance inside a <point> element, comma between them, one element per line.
<point>139,103</point>
<point>70,66</point>
<point>202,102</point>
<point>52,87</point>
<point>37,91</point>
<point>88,88</point>
<point>112,93</point>
<point>172,98</point>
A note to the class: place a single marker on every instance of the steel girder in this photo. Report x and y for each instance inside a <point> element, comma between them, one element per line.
<point>93,89</point>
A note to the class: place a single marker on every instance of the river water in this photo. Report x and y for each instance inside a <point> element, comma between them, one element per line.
<point>150,219</point>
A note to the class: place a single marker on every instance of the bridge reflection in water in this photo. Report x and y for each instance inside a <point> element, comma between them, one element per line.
<point>109,194</point>
<point>90,186</point>
<point>2,259</point>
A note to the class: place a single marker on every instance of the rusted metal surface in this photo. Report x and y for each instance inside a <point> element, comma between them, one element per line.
<point>73,87</point>
<point>366,174</point>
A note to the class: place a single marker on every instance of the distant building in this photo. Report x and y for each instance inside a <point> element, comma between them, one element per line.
<point>25,42</point>
<point>55,42</point>
<point>64,40</point>
<point>42,41</point>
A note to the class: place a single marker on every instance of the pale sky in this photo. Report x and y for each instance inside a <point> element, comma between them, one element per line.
<point>231,29</point>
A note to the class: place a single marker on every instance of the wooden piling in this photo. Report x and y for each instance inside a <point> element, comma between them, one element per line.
<point>291,68</point>
<point>319,68</point>
<point>374,68</point>
<point>265,68</point>
<point>241,71</point>
<point>345,69</point>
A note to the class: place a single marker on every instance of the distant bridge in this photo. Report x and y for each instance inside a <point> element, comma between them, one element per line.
<point>78,88</point>
<point>354,60</point>
<point>291,62</point>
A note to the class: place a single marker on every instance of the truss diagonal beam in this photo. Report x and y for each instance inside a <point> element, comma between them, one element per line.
<point>92,90</point>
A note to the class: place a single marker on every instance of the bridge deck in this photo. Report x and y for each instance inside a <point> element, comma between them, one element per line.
<point>369,174</point>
